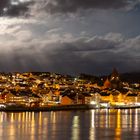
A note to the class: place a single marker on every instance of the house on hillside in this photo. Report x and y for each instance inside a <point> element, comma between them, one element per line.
<point>66,100</point>
<point>106,96</point>
<point>70,97</point>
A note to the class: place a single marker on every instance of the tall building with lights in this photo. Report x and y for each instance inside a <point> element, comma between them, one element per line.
<point>115,81</point>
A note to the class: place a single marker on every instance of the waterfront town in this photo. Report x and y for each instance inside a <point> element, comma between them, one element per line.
<point>42,89</point>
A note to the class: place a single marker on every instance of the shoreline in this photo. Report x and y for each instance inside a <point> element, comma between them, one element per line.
<point>61,108</point>
<point>47,108</point>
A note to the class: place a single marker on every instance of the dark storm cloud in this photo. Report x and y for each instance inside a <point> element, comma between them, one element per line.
<point>3,4</point>
<point>92,44</point>
<point>14,7</point>
<point>63,6</point>
<point>96,55</point>
<point>82,55</point>
<point>20,8</point>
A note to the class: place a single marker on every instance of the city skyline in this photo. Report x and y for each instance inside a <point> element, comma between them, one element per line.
<point>70,37</point>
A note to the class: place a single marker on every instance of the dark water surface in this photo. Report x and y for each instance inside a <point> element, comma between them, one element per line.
<point>71,125</point>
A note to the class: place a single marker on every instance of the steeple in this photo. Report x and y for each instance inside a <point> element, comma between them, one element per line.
<point>115,80</point>
<point>115,75</point>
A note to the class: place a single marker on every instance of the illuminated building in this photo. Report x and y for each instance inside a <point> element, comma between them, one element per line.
<point>115,80</point>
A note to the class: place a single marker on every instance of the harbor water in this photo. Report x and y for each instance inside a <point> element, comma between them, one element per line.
<point>99,124</point>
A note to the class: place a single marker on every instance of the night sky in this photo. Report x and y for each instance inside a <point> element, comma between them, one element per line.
<point>70,36</point>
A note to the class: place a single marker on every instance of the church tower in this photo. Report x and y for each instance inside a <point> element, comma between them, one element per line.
<point>115,80</point>
<point>115,75</point>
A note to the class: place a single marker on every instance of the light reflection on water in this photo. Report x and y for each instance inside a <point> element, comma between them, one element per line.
<point>75,128</point>
<point>71,125</point>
